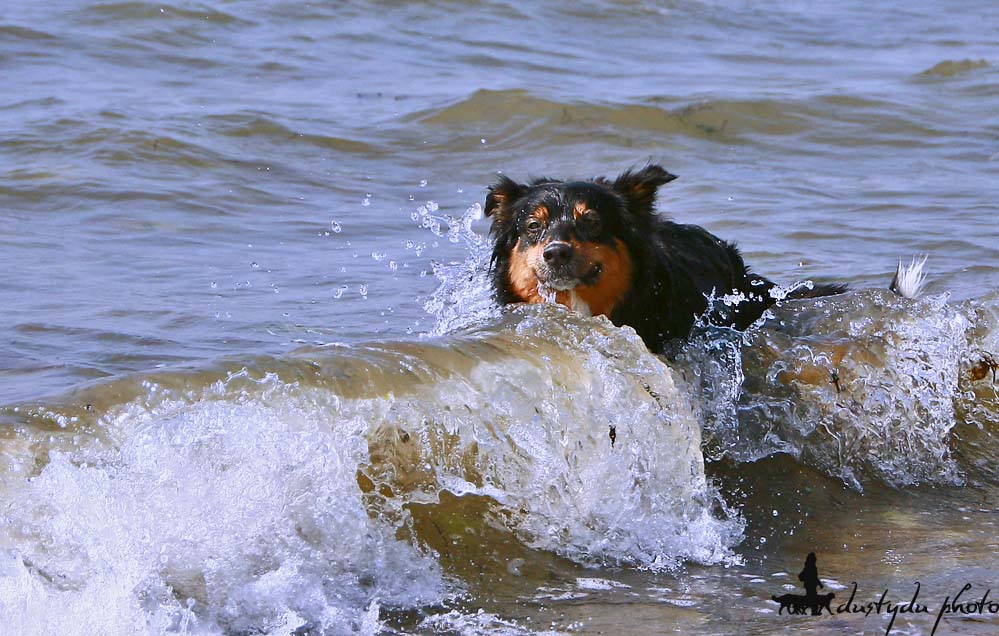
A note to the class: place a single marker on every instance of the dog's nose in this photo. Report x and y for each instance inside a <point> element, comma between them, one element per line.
<point>558,254</point>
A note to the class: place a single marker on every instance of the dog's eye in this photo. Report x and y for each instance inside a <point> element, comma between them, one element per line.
<point>534,226</point>
<point>590,222</point>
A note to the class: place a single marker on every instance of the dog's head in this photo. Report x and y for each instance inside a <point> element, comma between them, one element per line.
<point>569,241</point>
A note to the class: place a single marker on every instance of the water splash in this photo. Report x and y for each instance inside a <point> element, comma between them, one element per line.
<point>865,386</point>
<point>464,296</point>
<point>237,512</point>
<point>280,494</point>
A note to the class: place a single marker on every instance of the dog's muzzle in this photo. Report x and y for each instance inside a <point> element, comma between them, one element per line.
<point>565,269</point>
<point>558,255</point>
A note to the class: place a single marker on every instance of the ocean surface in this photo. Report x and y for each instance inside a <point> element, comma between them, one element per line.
<point>252,380</point>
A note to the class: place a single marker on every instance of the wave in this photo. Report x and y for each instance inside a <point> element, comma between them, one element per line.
<point>950,68</point>
<point>120,145</point>
<point>313,490</point>
<point>18,32</point>
<point>257,125</point>
<point>515,116</point>
<point>307,489</point>
<point>141,11</point>
<point>318,488</point>
<point>866,387</point>
<point>519,118</point>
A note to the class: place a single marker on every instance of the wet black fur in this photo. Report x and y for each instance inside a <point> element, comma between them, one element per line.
<point>676,266</point>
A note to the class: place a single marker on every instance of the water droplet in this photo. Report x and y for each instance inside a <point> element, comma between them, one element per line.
<point>423,183</point>
<point>214,285</point>
<point>366,201</point>
<point>363,289</point>
<point>393,265</point>
<point>335,226</point>
<point>482,141</point>
<point>255,265</point>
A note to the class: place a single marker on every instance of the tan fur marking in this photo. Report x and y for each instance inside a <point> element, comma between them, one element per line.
<point>614,281</point>
<point>579,209</point>
<point>541,214</point>
<point>523,280</point>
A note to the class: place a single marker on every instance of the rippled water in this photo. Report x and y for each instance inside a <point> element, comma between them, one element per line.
<point>252,380</point>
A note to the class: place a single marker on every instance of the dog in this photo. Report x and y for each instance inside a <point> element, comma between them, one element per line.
<point>599,248</point>
<point>797,604</point>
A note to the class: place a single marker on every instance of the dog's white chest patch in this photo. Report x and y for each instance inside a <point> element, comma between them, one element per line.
<point>579,305</point>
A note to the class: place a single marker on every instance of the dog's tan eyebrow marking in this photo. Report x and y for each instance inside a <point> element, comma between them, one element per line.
<point>580,209</point>
<point>541,213</point>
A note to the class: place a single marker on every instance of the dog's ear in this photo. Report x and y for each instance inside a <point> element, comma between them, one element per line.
<point>501,194</point>
<point>639,188</point>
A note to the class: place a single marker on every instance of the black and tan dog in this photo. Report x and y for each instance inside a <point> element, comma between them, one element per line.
<point>599,247</point>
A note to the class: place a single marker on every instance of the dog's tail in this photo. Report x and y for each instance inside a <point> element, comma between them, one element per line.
<point>909,279</point>
<point>907,283</point>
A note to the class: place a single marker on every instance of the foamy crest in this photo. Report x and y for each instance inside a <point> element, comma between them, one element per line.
<point>532,431</point>
<point>864,385</point>
<point>235,513</point>
<point>267,504</point>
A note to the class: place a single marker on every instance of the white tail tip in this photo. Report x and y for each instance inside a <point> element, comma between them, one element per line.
<point>909,279</point>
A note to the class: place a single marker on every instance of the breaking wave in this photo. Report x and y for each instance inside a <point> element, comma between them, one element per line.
<point>321,491</point>
<point>269,495</point>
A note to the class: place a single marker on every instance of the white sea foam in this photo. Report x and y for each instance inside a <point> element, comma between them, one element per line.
<point>229,514</point>
<point>239,507</point>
